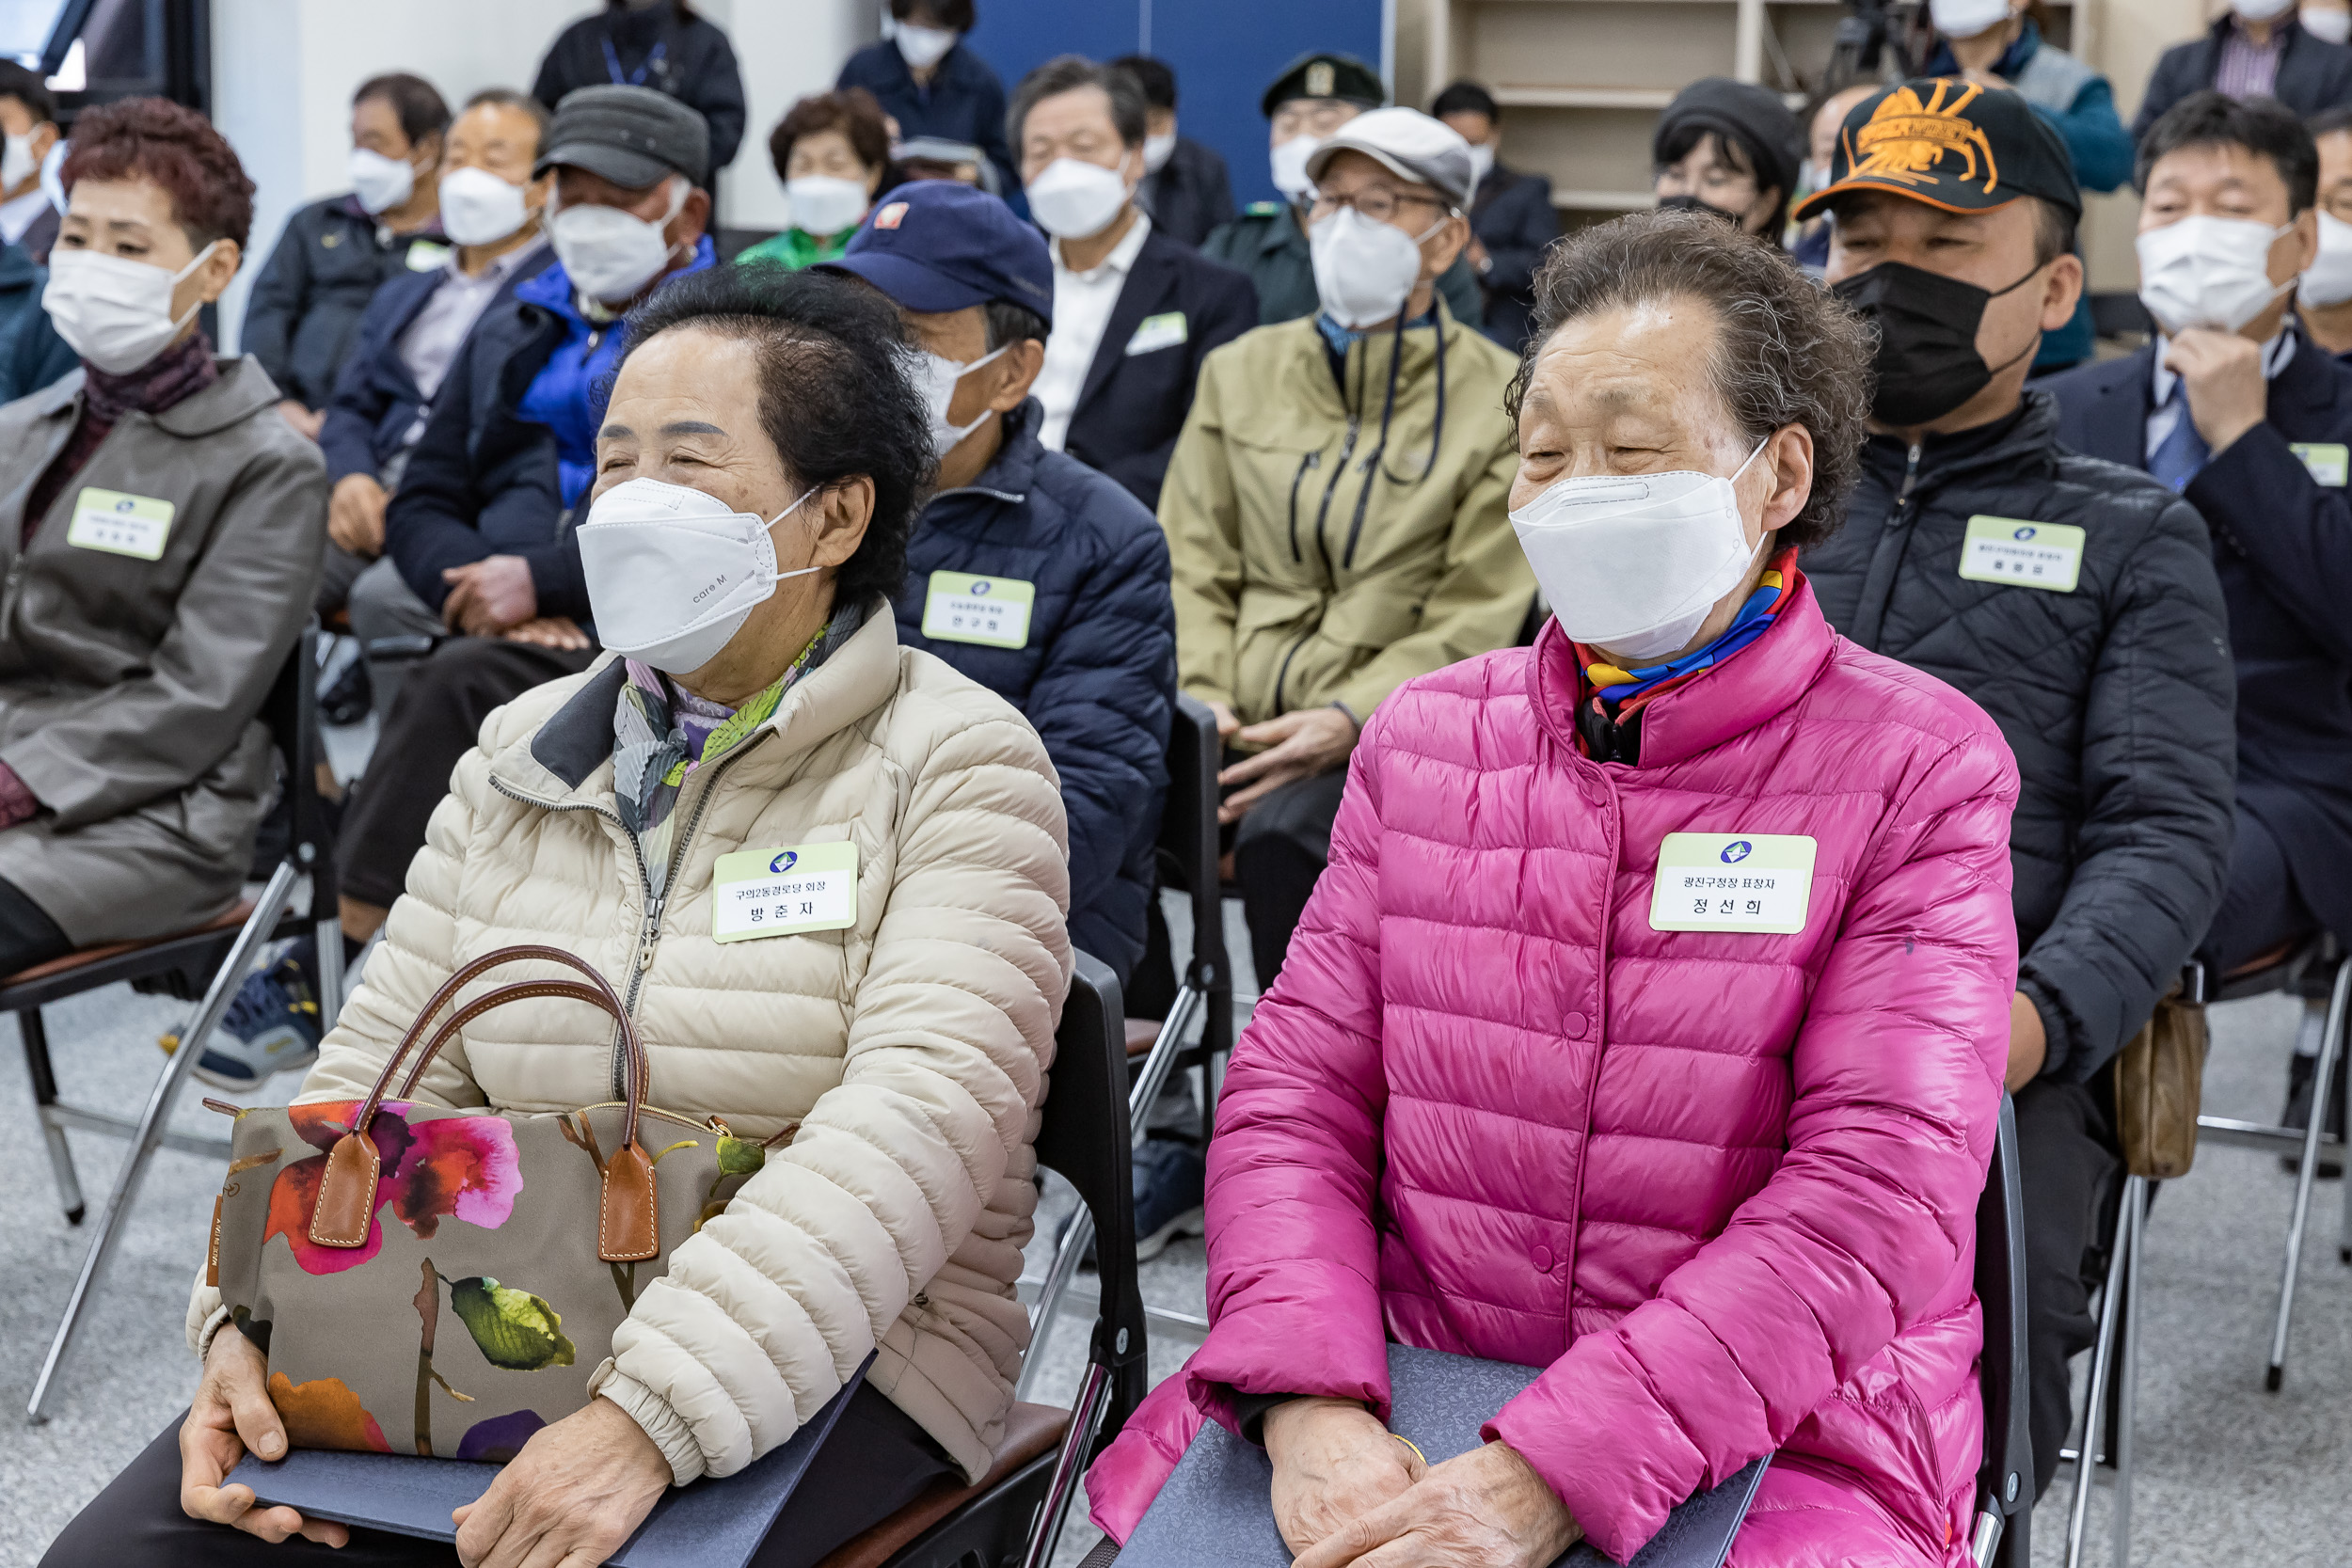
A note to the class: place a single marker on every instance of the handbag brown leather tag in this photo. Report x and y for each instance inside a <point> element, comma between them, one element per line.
<point>629,1231</point>
<point>346,1205</point>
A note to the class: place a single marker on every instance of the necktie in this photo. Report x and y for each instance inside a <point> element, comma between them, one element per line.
<point>2181,454</point>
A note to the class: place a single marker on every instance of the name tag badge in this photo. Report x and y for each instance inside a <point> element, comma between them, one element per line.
<point>120,524</point>
<point>782,892</point>
<point>424,255</point>
<point>2023,554</point>
<point>2329,462</point>
<point>1732,882</point>
<point>994,612</point>
<point>1155,332</point>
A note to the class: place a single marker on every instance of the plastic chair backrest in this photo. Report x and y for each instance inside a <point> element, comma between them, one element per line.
<point>1188,826</point>
<point>291,712</point>
<point>1084,1137</point>
<point>2006,1475</point>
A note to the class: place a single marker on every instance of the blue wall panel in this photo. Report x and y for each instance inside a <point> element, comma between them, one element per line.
<point>1224,54</point>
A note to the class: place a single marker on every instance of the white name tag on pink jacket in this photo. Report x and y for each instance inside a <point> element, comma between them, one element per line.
<point>780,892</point>
<point>1732,882</point>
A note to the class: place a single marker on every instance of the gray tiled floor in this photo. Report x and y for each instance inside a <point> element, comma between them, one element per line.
<point>2228,1475</point>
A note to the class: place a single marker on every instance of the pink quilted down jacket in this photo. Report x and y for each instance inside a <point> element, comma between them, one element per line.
<point>1722,1186</point>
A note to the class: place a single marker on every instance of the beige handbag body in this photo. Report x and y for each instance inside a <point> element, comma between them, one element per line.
<point>2159,1083</point>
<point>442,1282</point>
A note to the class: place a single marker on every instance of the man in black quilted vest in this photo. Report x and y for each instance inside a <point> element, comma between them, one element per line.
<point>2074,600</point>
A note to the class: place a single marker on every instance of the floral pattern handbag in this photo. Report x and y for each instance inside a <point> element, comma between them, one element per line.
<point>443,1282</point>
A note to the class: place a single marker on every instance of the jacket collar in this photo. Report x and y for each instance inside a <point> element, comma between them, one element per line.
<point>243,391</point>
<point>1012,473</point>
<point>1146,287</point>
<point>567,761</point>
<point>2017,443</point>
<point>1764,680</point>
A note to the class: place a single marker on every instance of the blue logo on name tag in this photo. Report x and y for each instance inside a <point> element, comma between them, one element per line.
<point>981,586</point>
<point>2023,533</point>
<point>1736,852</point>
<point>785,862</point>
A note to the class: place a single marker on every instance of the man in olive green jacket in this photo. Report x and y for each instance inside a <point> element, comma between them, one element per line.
<point>1335,508</point>
<point>144,617</point>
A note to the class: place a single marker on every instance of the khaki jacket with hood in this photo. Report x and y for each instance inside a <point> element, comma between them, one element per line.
<point>911,1049</point>
<point>1331,543</point>
<point>129,686</point>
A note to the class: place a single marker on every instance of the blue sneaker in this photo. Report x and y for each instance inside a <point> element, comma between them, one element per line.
<point>272,1028</point>
<point>1167,1195</point>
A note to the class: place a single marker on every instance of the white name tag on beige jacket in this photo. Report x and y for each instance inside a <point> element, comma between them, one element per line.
<point>1732,882</point>
<point>120,524</point>
<point>781,892</point>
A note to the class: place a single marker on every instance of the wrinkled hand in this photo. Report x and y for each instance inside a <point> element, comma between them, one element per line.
<point>579,1489</point>
<point>488,596</point>
<point>1333,1462</point>
<point>355,514</point>
<point>2028,1046</point>
<point>2222,373</point>
<point>301,420</point>
<point>1299,746</point>
<point>549,631</point>
<point>231,1414</point>
<point>1487,1508</point>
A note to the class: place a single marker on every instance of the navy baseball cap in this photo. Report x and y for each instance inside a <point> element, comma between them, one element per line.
<point>938,244</point>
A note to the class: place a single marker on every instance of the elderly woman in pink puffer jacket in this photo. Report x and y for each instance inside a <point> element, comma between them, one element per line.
<point>1648,1025</point>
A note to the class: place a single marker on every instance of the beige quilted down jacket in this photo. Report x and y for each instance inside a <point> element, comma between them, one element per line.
<point>911,1049</point>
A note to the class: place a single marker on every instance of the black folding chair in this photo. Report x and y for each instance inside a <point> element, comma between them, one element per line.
<point>1187,858</point>
<point>2003,1532</point>
<point>1015,1514</point>
<point>214,956</point>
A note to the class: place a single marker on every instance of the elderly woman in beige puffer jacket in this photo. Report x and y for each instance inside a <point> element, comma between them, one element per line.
<point>910,1048</point>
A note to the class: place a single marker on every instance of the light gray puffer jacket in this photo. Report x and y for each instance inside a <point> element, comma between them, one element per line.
<point>910,1048</point>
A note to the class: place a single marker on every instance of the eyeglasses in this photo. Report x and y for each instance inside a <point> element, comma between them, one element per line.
<point>1376,202</point>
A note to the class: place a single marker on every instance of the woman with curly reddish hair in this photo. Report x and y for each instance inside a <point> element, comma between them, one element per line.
<point>160,535</point>
<point>832,150</point>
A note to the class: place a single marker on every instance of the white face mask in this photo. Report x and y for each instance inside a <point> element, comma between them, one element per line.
<point>1158,150</point>
<point>1634,562</point>
<point>113,311</point>
<point>608,254</point>
<point>479,207</point>
<point>2330,280</point>
<point>825,204</point>
<point>1072,199</point>
<point>17,163</point>
<point>938,376</point>
<point>673,575</point>
<point>1965,19</point>
<point>2208,272</point>
<point>924,47</point>
<point>2261,10</point>
<point>1289,160</point>
<point>1364,271</point>
<point>1481,159</point>
<point>2326,25</point>
<point>378,181</point>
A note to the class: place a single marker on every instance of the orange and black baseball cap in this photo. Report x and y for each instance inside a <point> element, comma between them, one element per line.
<point>1952,144</point>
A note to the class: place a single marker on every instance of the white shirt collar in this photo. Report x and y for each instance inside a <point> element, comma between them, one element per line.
<point>1123,257</point>
<point>500,268</point>
<point>2276,350</point>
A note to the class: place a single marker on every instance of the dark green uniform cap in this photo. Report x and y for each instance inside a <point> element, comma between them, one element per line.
<point>1341,77</point>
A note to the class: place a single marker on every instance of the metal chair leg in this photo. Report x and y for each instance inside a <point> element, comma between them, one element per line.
<point>2131,1226</point>
<point>43,1074</point>
<point>2090,1448</point>
<point>2323,1084</point>
<point>1086,1418</point>
<point>151,1130</point>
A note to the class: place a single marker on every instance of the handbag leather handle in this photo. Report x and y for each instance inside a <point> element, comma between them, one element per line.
<point>629,1222</point>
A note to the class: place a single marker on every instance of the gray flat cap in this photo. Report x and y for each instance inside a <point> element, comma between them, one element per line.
<point>633,136</point>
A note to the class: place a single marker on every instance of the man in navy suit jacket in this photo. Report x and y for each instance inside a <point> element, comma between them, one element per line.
<point>1135,311</point>
<point>2265,461</point>
<point>2307,73</point>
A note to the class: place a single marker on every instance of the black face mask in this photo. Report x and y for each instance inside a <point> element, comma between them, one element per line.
<point>1928,364</point>
<point>1693,204</point>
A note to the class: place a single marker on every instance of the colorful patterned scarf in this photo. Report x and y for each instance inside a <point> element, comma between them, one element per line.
<point>1622,691</point>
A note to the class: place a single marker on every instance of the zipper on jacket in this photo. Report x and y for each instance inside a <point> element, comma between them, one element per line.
<point>1911,478</point>
<point>1313,459</point>
<point>1284,673</point>
<point>7,595</point>
<point>1339,471</point>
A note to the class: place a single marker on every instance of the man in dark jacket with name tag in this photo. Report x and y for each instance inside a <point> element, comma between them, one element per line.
<point>1028,571</point>
<point>2252,422</point>
<point>2074,600</point>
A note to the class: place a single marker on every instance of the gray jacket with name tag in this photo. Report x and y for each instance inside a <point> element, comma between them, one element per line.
<point>2119,698</point>
<point>129,687</point>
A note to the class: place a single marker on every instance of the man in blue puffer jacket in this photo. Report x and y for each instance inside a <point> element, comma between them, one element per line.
<point>1030,572</point>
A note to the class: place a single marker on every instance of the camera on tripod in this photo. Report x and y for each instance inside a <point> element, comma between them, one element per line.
<point>1868,32</point>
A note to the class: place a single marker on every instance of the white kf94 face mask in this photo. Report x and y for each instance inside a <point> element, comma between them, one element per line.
<point>1633,563</point>
<point>112,311</point>
<point>938,376</point>
<point>479,207</point>
<point>2330,280</point>
<point>673,575</point>
<point>2208,272</point>
<point>1364,271</point>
